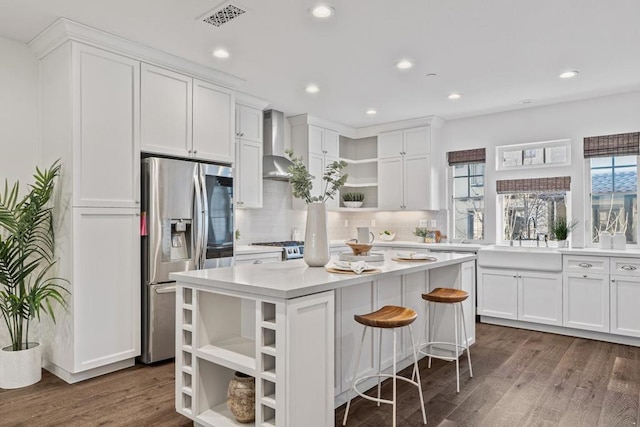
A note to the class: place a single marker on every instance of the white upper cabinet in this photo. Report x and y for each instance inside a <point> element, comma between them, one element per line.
<point>249,122</point>
<point>248,167</point>
<point>185,117</point>
<point>324,141</point>
<point>166,112</point>
<point>106,129</point>
<point>406,177</point>
<point>213,122</point>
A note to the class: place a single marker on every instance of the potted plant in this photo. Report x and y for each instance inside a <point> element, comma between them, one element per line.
<point>560,229</point>
<point>26,289</point>
<point>316,242</point>
<point>353,200</point>
<point>421,233</point>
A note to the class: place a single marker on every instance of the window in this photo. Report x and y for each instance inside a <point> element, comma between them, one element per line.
<point>614,194</point>
<point>527,216</point>
<point>535,154</point>
<point>468,201</point>
<point>531,205</point>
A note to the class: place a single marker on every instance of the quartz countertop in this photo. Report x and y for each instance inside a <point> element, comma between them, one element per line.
<point>464,247</point>
<point>294,279</point>
<point>256,249</point>
<point>625,253</point>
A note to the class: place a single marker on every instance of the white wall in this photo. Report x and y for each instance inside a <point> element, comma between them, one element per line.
<point>573,120</point>
<point>18,112</point>
<point>18,120</point>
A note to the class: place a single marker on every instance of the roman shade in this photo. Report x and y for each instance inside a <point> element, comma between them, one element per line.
<point>621,144</point>
<point>477,155</point>
<point>533,185</point>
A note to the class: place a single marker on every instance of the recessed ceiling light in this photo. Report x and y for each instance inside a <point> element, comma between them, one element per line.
<point>455,96</point>
<point>404,64</point>
<point>568,74</point>
<point>527,101</point>
<point>220,53</point>
<point>322,11</point>
<point>371,111</point>
<point>312,89</point>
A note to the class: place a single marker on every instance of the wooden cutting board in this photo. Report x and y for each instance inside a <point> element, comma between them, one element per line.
<point>414,260</point>
<point>335,270</point>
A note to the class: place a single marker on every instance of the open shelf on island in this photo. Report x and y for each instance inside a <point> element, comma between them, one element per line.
<point>220,416</point>
<point>236,353</point>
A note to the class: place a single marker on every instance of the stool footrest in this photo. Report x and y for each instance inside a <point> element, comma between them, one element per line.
<point>430,352</point>
<point>375,399</point>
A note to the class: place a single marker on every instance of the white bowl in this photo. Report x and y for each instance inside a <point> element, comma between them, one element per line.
<point>353,204</point>
<point>387,237</point>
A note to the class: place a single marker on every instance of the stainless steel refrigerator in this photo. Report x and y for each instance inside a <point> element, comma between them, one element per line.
<point>187,224</point>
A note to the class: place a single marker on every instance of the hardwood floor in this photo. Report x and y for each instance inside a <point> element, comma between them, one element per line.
<point>520,378</point>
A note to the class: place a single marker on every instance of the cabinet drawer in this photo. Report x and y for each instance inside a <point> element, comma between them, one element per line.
<point>625,266</point>
<point>586,264</point>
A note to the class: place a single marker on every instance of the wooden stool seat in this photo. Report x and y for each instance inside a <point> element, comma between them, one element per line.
<point>389,316</point>
<point>446,295</point>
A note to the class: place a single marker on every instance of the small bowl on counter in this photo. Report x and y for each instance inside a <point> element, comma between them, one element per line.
<point>386,237</point>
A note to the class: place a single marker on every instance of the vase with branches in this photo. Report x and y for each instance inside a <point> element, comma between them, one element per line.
<point>316,243</point>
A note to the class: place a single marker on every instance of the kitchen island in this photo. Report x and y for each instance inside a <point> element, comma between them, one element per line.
<point>291,327</point>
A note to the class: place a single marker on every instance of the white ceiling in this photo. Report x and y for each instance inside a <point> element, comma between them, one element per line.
<point>495,52</point>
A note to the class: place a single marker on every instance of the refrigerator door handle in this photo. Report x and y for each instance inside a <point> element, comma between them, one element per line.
<point>205,216</point>
<point>197,227</point>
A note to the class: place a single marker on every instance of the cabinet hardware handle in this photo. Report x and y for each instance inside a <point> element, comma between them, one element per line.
<point>257,261</point>
<point>585,265</point>
<point>628,268</point>
<point>242,134</point>
<point>515,275</point>
<point>584,275</point>
<point>137,202</point>
<point>195,151</point>
<point>613,280</point>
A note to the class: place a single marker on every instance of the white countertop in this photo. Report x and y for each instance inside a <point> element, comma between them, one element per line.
<point>294,279</point>
<point>625,253</point>
<point>465,247</point>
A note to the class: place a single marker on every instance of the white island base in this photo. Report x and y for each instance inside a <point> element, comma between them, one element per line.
<point>291,327</point>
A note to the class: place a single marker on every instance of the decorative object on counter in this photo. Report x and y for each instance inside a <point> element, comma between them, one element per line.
<point>241,396</point>
<point>365,236</point>
<point>316,241</point>
<point>560,230</point>
<point>353,200</point>
<point>619,240</point>
<point>27,289</point>
<point>605,240</point>
<point>387,236</point>
<point>359,248</point>
<point>237,234</point>
<point>421,233</point>
<point>615,225</point>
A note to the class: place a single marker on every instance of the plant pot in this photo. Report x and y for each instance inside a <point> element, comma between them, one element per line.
<point>316,236</point>
<point>605,240</point>
<point>241,396</point>
<point>619,240</point>
<point>353,204</point>
<point>20,368</point>
<point>563,244</point>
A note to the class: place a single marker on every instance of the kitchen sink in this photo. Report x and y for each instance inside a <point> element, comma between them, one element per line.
<point>520,258</point>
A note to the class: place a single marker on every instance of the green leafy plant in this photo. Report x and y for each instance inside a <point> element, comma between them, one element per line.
<point>420,232</point>
<point>26,256</point>
<point>353,197</point>
<point>301,179</point>
<point>561,227</point>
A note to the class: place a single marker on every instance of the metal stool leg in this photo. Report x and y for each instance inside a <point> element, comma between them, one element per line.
<point>466,340</point>
<point>379,362</point>
<point>395,403</point>
<point>421,338</point>
<point>432,326</point>
<point>417,372</point>
<point>353,377</point>
<point>455,323</point>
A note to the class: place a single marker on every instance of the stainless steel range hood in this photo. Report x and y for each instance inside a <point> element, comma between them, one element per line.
<point>274,164</point>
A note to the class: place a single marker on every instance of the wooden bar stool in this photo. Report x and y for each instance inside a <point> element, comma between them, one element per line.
<point>388,317</point>
<point>455,297</point>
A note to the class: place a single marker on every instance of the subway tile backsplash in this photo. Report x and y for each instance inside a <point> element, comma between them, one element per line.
<point>276,220</point>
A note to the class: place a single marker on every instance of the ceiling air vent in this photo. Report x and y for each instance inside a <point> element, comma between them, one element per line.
<point>223,14</point>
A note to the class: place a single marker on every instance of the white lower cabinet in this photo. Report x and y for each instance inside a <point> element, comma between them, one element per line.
<point>520,295</point>
<point>586,301</point>
<point>624,295</point>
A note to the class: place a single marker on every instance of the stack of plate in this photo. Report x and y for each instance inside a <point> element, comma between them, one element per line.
<point>372,257</point>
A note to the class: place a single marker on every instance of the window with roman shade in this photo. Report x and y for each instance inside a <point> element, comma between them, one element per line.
<point>467,168</point>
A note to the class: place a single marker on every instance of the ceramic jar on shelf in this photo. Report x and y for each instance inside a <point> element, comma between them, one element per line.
<point>241,396</point>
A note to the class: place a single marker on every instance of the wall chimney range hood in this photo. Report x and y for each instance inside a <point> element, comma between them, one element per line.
<point>274,164</point>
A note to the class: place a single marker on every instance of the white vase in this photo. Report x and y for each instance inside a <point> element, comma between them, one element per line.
<point>316,236</point>
<point>605,240</point>
<point>563,244</point>
<point>619,240</point>
<point>20,368</point>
